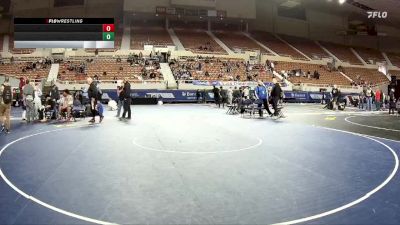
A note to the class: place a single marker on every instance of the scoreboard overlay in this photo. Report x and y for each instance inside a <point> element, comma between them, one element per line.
<point>64,32</point>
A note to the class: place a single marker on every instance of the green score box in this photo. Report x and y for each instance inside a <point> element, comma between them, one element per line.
<point>108,36</point>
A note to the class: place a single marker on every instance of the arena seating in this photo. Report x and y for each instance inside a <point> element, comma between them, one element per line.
<point>228,27</point>
<point>217,70</point>
<point>17,70</point>
<point>368,54</point>
<point>192,40</point>
<point>114,70</point>
<point>394,58</point>
<point>189,25</point>
<point>18,50</point>
<point>365,76</point>
<point>237,40</point>
<point>395,73</point>
<point>326,77</point>
<point>308,47</point>
<point>276,45</point>
<point>157,36</point>
<point>342,52</point>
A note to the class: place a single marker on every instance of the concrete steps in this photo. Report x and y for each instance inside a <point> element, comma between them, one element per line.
<point>222,44</point>
<point>176,40</point>
<point>53,72</point>
<point>168,75</point>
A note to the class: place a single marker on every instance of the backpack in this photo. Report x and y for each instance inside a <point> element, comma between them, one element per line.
<point>7,94</point>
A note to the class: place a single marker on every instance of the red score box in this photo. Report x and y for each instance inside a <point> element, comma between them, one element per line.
<point>108,27</point>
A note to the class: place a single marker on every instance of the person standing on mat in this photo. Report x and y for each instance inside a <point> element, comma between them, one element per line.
<point>120,93</point>
<point>223,95</point>
<point>276,95</point>
<point>29,93</point>
<point>5,105</point>
<point>369,95</point>
<point>335,97</point>
<point>127,100</point>
<point>217,96</point>
<point>261,95</point>
<point>93,97</point>
<point>55,97</point>
<point>21,99</point>
<point>378,99</point>
<point>392,102</point>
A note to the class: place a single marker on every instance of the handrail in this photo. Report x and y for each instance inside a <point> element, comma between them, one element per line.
<point>113,81</point>
<point>326,85</point>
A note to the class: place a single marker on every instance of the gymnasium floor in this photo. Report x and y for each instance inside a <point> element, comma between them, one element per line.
<point>193,164</point>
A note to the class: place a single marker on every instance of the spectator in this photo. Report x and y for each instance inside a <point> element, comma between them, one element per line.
<point>335,97</point>
<point>246,92</point>
<point>276,95</point>
<point>37,100</point>
<point>229,94</point>
<point>198,96</point>
<point>29,93</point>
<point>5,105</point>
<point>120,94</point>
<point>392,102</point>
<point>55,96</point>
<point>369,95</point>
<point>49,107</point>
<point>127,99</point>
<point>361,100</point>
<point>93,98</point>
<point>66,106</point>
<point>261,95</point>
<point>378,99</point>
<point>223,96</point>
<point>217,96</point>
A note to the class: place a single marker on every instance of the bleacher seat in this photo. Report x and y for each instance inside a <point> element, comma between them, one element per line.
<point>193,39</point>
<point>394,58</point>
<point>217,70</point>
<point>157,36</point>
<point>276,45</point>
<point>342,52</point>
<point>368,54</point>
<point>237,40</point>
<point>363,75</point>
<point>114,70</point>
<point>188,25</point>
<point>16,70</point>
<point>306,46</point>
<point>326,77</point>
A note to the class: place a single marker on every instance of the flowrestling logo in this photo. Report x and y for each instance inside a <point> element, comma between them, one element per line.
<point>377,14</point>
<point>64,21</point>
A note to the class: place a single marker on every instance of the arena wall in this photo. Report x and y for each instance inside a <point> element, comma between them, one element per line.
<point>148,6</point>
<point>45,8</point>
<point>325,26</point>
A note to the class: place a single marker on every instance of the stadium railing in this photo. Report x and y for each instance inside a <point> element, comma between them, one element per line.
<point>115,82</point>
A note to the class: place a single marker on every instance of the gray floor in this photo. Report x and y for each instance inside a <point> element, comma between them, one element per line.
<point>192,164</point>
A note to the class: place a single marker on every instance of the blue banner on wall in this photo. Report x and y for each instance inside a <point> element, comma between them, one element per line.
<point>190,95</point>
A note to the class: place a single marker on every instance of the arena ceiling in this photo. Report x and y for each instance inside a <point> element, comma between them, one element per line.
<point>348,8</point>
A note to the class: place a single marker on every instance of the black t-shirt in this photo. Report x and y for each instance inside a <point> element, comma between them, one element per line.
<point>276,91</point>
<point>127,90</point>
<point>335,92</point>
<point>92,91</point>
